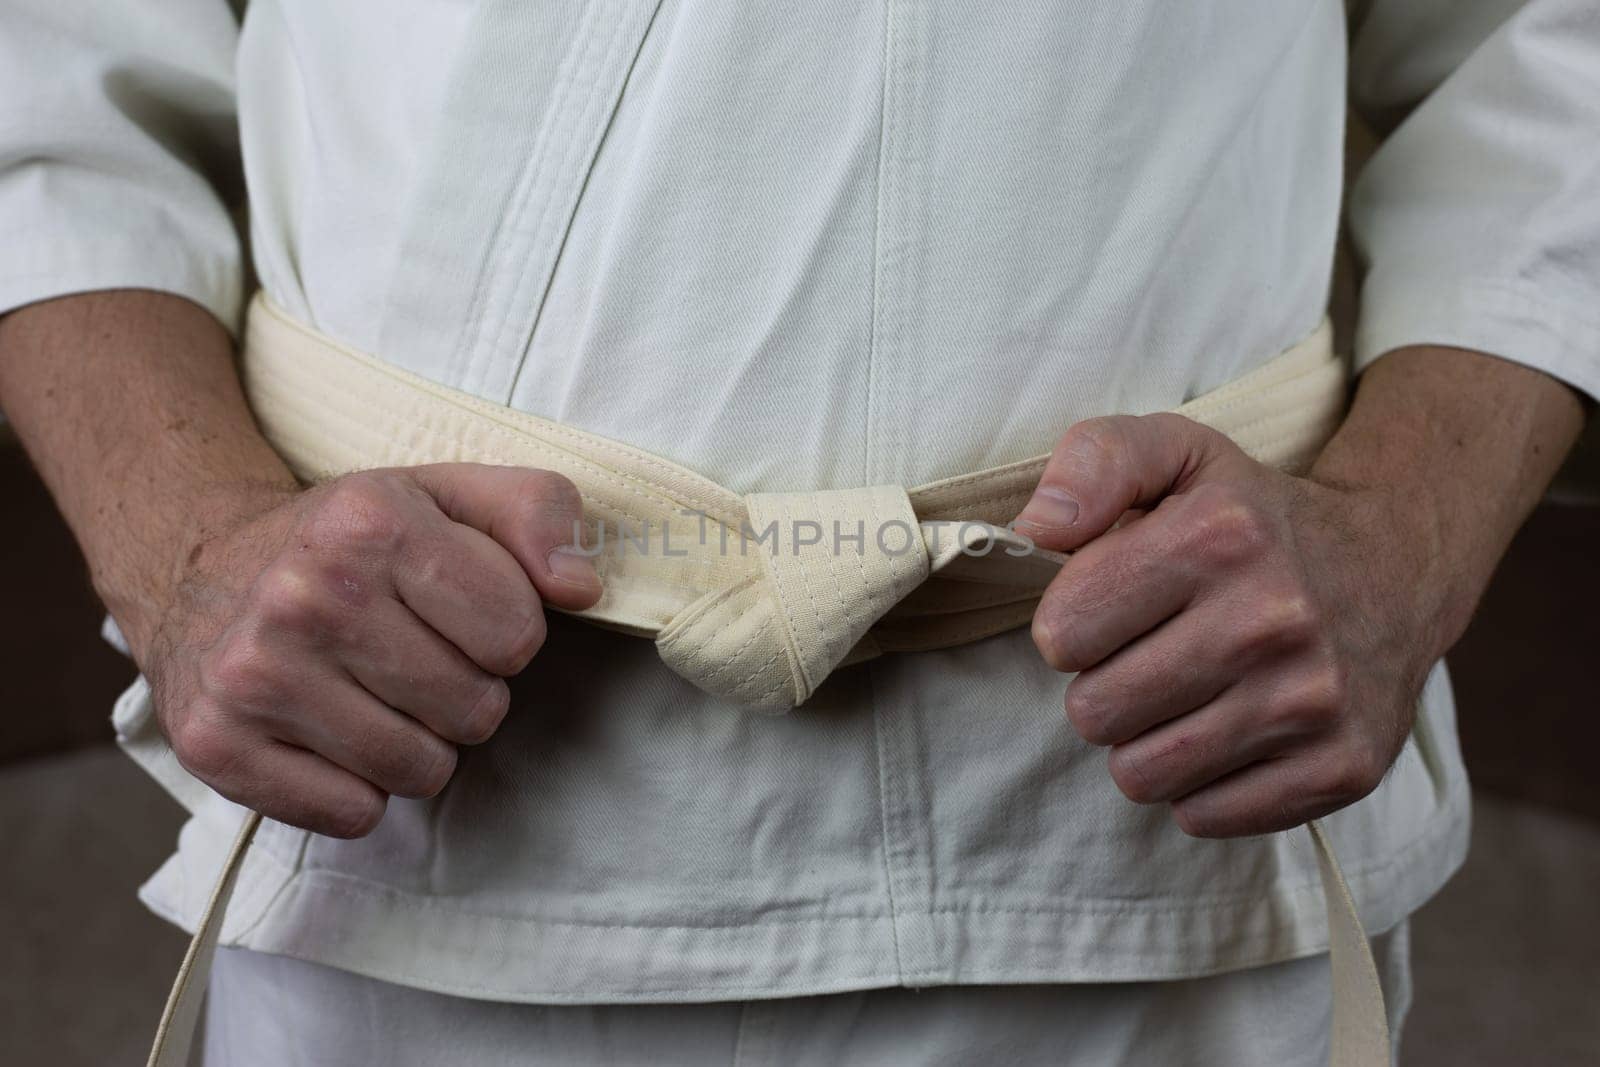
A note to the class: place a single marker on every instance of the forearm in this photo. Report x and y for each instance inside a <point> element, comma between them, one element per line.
<point>1457,447</point>
<point>129,404</point>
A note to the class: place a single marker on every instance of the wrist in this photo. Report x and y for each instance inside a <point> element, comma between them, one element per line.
<point>1447,450</point>
<point>129,404</point>
<point>137,564</point>
<point>1431,578</point>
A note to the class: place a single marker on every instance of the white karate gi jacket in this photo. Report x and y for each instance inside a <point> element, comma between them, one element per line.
<point>856,243</point>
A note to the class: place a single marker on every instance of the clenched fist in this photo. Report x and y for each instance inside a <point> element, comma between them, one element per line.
<point>337,647</point>
<point>1249,645</point>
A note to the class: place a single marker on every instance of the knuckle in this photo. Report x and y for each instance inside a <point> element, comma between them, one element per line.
<point>548,502</point>
<point>1314,704</point>
<point>526,510</point>
<point>1287,619</point>
<point>360,513</point>
<point>352,817</point>
<point>1228,529</point>
<point>1172,424</point>
<point>488,710</point>
<point>1096,445</point>
<point>1354,773</point>
<point>431,769</point>
<point>1135,772</point>
<point>1057,634</point>
<point>208,744</point>
<point>1197,821</point>
<point>431,570</point>
<point>1331,691</point>
<point>1089,711</point>
<point>406,760</point>
<point>521,643</point>
<point>1044,638</point>
<point>553,492</point>
<point>290,597</point>
<point>238,671</point>
<point>1367,768</point>
<point>1101,437</point>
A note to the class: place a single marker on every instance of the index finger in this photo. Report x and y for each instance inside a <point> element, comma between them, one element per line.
<point>535,515</point>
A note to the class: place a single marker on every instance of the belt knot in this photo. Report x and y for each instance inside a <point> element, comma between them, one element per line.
<point>821,570</point>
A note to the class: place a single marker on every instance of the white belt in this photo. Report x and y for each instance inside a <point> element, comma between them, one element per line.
<point>756,599</point>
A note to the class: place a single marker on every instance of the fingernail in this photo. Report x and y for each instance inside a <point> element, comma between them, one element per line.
<point>570,565</point>
<point>1050,508</point>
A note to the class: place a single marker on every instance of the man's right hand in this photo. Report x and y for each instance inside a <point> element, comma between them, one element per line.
<point>337,646</point>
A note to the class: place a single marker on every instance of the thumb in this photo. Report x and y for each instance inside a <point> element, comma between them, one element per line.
<point>1103,467</point>
<point>536,515</point>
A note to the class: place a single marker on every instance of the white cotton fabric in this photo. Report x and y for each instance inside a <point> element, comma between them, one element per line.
<point>273,1011</point>
<point>812,246</point>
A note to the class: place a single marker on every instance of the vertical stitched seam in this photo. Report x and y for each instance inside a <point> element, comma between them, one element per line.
<point>737,654</point>
<point>901,171</point>
<point>909,89</point>
<point>834,653</point>
<point>883,819</point>
<point>868,457</point>
<point>555,173</point>
<point>296,868</point>
<point>577,198</point>
<point>472,333</point>
<point>861,562</point>
<point>786,638</point>
<point>805,583</point>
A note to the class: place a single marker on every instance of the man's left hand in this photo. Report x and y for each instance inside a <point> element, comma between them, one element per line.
<point>1250,645</point>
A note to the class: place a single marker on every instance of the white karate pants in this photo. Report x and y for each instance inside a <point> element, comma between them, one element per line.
<point>271,1011</point>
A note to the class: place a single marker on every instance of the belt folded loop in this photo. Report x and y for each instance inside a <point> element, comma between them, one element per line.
<point>757,599</point>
